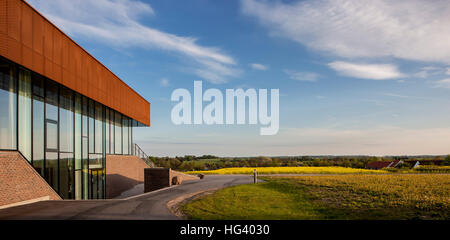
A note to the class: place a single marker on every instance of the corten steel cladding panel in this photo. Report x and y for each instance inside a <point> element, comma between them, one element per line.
<point>29,39</point>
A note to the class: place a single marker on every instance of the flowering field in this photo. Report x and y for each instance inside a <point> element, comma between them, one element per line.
<point>420,191</point>
<point>354,196</point>
<point>289,170</point>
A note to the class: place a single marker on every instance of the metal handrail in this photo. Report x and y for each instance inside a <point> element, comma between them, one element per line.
<point>137,151</point>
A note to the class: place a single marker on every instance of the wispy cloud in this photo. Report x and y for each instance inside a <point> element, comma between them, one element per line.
<point>430,71</point>
<point>395,95</point>
<point>405,29</point>
<point>444,83</point>
<point>302,76</point>
<point>164,82</point>
<point>116,22</point>
<point>259,66</point>
<point>366,71</point>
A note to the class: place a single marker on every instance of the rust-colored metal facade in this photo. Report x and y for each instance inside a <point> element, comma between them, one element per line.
<point>29,39</point>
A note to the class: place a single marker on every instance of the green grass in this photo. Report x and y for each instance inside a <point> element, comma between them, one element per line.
<point>269,200</point>
<point>295,198</point>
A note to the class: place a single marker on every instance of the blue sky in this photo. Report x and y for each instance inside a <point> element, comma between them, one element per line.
<point>355,77</point>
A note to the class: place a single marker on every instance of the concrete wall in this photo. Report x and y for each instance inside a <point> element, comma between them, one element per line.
<point>20,183</point>
<point>123,173</point>
<point>157,178</point>
<point>183,176</point>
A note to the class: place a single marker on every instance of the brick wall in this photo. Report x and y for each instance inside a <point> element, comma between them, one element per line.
<point>122,173</point>
<point>19,181</point>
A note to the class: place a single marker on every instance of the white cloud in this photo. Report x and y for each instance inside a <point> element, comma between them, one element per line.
<point>258,66</point>
<point>164,82</point>
<point>366,71</point>
<point>429,71</point>
<point>448,71</point>
<point>444,83</point>
<point>302,76</point>
<point>395,95</point>
<point>405,29</point>
<point>116,22</point>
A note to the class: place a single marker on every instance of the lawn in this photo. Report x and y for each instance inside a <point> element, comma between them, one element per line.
<point>405,196</point>
<point>289,170</point>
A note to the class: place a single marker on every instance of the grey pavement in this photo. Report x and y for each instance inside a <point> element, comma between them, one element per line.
<point>150,206</point>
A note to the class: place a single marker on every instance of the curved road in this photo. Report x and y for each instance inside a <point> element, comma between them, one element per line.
<point>150,205</point>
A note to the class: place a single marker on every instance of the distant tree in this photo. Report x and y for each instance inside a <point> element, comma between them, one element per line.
<point>446,161</point>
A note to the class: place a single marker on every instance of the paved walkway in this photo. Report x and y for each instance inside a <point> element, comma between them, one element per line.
<point>146,206</point>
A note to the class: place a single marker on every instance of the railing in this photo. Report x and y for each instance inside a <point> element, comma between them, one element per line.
<point>137,151</point>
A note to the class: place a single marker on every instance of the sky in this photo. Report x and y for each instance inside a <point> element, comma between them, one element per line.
<point>355,77</point>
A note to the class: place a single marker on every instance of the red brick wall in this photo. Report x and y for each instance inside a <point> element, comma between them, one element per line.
<point>20,182</point>
<point>122,173</point>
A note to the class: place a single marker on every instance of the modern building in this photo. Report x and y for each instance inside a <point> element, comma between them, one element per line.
<point>60,108</point>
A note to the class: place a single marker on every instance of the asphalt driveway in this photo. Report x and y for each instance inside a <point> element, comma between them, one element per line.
<point>142,207</point>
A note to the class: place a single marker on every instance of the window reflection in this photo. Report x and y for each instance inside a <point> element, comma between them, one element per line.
<point>51,169</point>
<point>66,116</point>
<point>38,124</point>
<point>66,175</point>
<point>98,128</point>
<point>8,106</point>
<point>118,133</point>
<point>125,135</point>
<point>25,113</point>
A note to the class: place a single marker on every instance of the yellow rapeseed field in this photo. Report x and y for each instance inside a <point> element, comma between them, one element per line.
<point>421,191</point>
<point>289,170</point>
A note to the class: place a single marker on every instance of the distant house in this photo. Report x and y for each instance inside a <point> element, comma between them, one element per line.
<point>384,164</point>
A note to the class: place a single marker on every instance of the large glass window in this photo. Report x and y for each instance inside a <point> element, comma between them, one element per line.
<point>66,175</point>
<point>94,178</point>
<point>84,148</point>
<point>25,113</point>
<point>101,182</point>
<point>8,106</point>
<point>66,146</point>
<point>112,137</point>
<point>91,127</point>
<point>78,148</point>
<point>118,133</point>
<point>98,128</point>
<point>131,137</point>
<point>51,135</point>
<point>38,124</point>
<point>125,141</point>
<point>107,131</point>
<point>66,117</point>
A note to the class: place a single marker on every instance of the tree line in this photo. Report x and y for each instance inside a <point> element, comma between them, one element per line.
<point>210,162</point>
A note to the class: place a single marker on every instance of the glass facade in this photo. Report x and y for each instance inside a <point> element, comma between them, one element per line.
<point>64,135</point>
<point>8,106</point>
